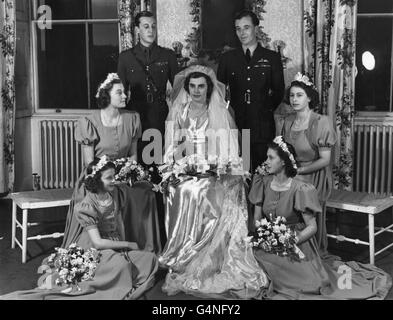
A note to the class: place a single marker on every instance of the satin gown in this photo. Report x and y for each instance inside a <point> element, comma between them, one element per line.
<point>206,223</point>
<point>116,277</point>
<point>319,135</point>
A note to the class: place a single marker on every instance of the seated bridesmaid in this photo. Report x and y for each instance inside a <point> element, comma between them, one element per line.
<point>114,132</point>
<point>123,272</point>
<point>278,194</point>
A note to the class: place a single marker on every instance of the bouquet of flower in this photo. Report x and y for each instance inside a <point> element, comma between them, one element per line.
<point>262,170</point>
<point>130,171</point>
<point>276,237</point>
<point>74,264</point>
<point>198,166</point>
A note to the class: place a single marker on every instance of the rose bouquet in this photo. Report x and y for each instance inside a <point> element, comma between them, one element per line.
<point>275,237</point>
<point>130,171</point>
<point>262,170</point>
<point>74,264</point>
<point>196,166</point>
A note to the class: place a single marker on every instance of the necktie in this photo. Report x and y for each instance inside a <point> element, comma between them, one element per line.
<point>148,54</point>
<point>248,55</point>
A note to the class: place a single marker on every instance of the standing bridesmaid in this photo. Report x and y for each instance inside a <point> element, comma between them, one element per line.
<point>313,137</point>
<point>114,132</point>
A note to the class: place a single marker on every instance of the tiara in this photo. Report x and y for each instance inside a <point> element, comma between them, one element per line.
<point>284,147</point>
<point>102,163</point>
<point>108,80</point>
<point>304,79</point>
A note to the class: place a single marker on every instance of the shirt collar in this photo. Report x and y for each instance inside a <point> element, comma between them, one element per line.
<point>145,49</point>
<point>252,48</point>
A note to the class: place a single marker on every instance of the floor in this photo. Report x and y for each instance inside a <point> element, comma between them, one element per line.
<point>17,276</point>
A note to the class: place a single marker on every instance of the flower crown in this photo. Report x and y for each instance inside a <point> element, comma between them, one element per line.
<point>284,147</point>
<point>304,79</point>
<point>108,80</point>
<point>102,163</point>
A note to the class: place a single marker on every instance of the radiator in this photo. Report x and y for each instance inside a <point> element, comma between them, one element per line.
<point>61,157</point>
<point>373,158</point>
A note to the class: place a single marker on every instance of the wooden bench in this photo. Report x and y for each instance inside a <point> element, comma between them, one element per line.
<point>362,202</point>
<point>35,200</point>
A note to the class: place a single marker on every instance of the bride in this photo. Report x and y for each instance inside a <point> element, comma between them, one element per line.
<point>206,215</point>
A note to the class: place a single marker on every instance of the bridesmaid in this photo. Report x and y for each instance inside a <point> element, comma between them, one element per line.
<point>123,272</point>
<point>279,194</point>
<point>313,137</point>
<point>114,132</point>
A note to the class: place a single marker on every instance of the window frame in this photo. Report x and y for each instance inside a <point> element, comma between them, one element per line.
<point>379,114</point>
<point>34,59</point>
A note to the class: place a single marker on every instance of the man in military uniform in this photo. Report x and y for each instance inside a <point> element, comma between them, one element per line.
<point>144,71</point>
<point>256,84</point>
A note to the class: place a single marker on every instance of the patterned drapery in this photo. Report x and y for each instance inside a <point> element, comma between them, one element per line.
<point>329,55</point>
<point>126,10</point>
<point>7,98</point>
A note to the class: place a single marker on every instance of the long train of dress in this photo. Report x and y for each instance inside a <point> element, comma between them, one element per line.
<point>206,255</point>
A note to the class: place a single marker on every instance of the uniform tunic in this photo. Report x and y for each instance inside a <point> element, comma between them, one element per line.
<point>161,64</point>
<point>256,89</point>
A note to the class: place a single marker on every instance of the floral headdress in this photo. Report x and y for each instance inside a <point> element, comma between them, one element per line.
<point>108,80</point>
<point>284,147</point>
<point>104,160</point>
<point>304,79</point>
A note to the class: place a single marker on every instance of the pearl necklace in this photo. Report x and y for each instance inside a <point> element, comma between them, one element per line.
<point>106,202</point>
<point>107,122</point>
<point>199,111</point>
<point>300,123</point>
<point>281,186</point>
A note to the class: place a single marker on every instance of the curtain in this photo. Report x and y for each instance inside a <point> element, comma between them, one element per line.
<point>329,58</point>
<point>127,9</point>
<point>7,98</point>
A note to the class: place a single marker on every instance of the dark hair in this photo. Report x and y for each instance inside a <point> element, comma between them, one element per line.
<point>310,92</point>
<point>104,98</point>
<point>289,170</point>
<point>94,183</point>
<point>140,15</point>
<point>248,13</point>
<point>195,75</point>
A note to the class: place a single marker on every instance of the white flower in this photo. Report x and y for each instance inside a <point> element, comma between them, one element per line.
<point>264,222</point>
<point>109,79</point>
<point>63,272</point>
<point>303,78</point>
<point>281,239</point>
<point>276,229</point>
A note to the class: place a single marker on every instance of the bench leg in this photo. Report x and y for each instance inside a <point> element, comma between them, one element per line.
<point>13,225</point>
<point>371,237</point>
<point>24,236</point>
